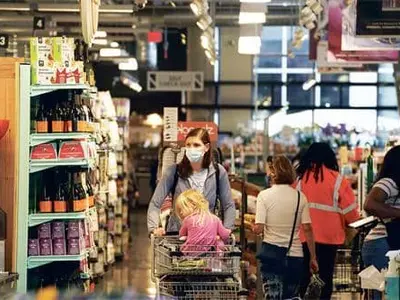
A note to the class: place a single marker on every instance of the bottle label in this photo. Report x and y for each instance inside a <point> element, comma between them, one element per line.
<point>77,205</point>
<point>91,201</point>
<point>68,126</point>
<point>60,206</point>
<point>41,126</point>
<point>82,126</point>
<point>45,206</point>
<point>57,126</point>
<point>85,203</point>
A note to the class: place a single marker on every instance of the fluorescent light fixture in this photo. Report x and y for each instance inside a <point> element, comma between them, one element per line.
<point>117,9</point>
<point>255,1</point>
<point>110,52</point>
<point>309,84</point>
<point>252,13</point>
<point>153,120</point>
<point>114,44</point>
<point>204,22</point>
<point>206,38</point>
<point>100,34</point>
<point>130,65</point>
<point>102,42</point>
<point>250,45</point>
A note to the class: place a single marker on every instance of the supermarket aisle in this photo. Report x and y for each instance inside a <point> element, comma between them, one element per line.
<point>135,271</point>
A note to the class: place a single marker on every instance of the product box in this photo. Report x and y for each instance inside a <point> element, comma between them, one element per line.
<point>63,51</point>
<point>59,246</point>
<point>44,151</point>
<point>44,231</point>
<point>33,247</point>
<point>46,247</point>
<point>75,229</point>
<point>58,230</point>
<point>42,60</point>
<point>75,246</point>
<point>73,150</point>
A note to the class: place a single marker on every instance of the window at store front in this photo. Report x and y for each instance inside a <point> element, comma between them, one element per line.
<point>354,90</point>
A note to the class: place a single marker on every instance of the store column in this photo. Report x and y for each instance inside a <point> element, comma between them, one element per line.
<point>197,61</point>
<point>234,67</point>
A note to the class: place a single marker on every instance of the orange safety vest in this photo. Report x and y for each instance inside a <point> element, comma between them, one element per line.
<point>332,205</point>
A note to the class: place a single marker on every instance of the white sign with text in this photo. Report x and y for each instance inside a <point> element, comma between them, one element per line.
<point>175,81</point>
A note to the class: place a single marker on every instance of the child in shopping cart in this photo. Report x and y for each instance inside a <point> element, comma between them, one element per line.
<point>201,230</point>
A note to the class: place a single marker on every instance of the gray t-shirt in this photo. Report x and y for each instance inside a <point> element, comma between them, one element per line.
<point>197,180</point>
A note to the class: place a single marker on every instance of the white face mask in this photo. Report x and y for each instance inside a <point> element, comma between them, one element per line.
<point>194,154</point>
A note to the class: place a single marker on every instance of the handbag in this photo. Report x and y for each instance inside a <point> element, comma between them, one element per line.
<point>393,236</point>
<point>274,259</point>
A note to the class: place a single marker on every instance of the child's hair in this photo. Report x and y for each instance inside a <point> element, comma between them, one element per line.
<point>192,202</point>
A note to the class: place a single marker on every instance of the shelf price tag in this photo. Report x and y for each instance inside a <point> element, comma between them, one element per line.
<point>39,23</point>
<point>4,39</point>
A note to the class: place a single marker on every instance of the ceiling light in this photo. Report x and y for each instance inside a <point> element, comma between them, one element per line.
<point>250,45</point>
<point>114,44</point>
<point>110,52</point>
<point>309,84</point>
<point>252,13</point>
<point>100,34</point>
<point>116,9</point>
<point>102,42</point>
<point>130,65</point>
<point>153,120</point>
<point>252,18</point>
<point>204,22</point>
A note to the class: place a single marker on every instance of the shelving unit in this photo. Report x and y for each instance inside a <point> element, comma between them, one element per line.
<point>26,167</point>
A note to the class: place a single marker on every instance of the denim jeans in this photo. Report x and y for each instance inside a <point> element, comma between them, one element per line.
<point>374,253</point>
<point>282,286</point>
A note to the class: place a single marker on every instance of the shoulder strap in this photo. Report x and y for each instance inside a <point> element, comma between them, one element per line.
<point>294,223</point>
<point>216,166</point>
<point>173,187</point>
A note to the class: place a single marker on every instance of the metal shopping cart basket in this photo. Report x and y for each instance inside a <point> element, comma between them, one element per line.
<point>195,272</point>
<point>347,268</point>
<point>170,259</point>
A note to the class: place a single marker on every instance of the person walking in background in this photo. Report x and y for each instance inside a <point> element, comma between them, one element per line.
<point>332,207</point>
<point>383,202</point>
<point>281,211</point>
<point>195,171</point>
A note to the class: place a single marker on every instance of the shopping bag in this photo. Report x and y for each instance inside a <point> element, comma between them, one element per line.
<point>314,288</point>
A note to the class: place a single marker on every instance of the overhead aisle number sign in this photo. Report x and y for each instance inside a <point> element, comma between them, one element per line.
<point>175,81</point>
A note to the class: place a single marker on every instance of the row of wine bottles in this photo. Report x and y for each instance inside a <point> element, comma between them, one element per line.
<point>62,190</point>
<point>67,116</point>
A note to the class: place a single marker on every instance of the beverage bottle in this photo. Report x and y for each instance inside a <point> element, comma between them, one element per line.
<point>41,120</point>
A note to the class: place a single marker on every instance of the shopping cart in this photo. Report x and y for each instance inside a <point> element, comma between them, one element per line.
<point>347,268</point>
<point>195,272</point>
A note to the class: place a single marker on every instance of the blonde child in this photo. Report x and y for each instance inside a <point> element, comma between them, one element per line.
<point>201,228</point>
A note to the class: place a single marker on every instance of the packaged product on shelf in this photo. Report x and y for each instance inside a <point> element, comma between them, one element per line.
<point>63,50</point>
<point>42,60</point>
<point>118,207</point>
<point>33,247</point>
<point>45,203</point>
<point>75,229</point>
<point>46,246</point>
<point>59,246</point>
<point>73,150</point>
<point>44,151</point>
<point>44,231</point>
<point>41,120</point>
<point>58,230</point>
<point>118,244</point>
<point>76,246</point>
<point>118,225</point>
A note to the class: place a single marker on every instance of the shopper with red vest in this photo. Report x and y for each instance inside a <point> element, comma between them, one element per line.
<point>332,207</point>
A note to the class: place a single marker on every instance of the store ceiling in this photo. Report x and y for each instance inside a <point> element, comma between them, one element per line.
<point>118,16</point>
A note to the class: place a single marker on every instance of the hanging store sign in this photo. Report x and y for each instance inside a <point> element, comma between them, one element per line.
<point>170,124</point>
<point>335,51</point>
<point>175,81</point>
<point>39,23</point>
<point>378,18</point>
<point>4,39</point>
<point>185,127</point>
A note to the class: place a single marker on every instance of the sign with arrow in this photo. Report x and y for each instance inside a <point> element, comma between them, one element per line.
<point>175,81</point>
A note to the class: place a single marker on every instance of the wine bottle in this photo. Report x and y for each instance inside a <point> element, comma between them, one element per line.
<point>45,201</point>
<point>57,122</point>
<point>41,120</point>
<point>89,190</point>
<point>76,199</point>
<point>60,201</point>
<point>85,110</point>
<point>49,120</point>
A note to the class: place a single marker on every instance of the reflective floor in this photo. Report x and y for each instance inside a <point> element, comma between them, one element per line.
<point>135,270</point>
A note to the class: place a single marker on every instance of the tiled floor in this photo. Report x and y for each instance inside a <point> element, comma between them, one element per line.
<point>135,270</point>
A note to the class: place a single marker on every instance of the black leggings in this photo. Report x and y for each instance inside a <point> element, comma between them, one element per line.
<point>326,256</point>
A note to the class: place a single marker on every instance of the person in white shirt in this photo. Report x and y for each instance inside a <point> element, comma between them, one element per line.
<point>281,210</point>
